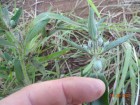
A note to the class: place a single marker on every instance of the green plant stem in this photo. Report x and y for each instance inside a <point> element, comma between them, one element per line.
<point>26,78</point>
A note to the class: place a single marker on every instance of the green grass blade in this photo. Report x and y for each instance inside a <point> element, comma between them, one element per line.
<point>133,85</point>
<point>137,70</point>
<point>138,90</point>
<point>53,55</point>
<point>127,62</point>
<point>117,73</point>
<point>116,43</point>
<point>94,7</point>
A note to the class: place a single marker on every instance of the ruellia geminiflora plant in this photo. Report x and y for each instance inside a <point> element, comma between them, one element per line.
<point>96,47</point>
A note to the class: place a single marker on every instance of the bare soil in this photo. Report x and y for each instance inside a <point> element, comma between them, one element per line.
<point>78,7</point>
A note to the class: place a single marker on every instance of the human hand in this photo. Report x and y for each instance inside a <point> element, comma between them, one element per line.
<point>66,91</point>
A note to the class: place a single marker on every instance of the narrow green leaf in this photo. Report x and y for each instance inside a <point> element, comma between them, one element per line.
<point>104,100</point>
<point>53,55</point>
<point>3,25</point>
<point>41,20</point>
<point>36,29</point>
<point>4,42</point>
<point>33,44</point>
<point>7,56</point>
<point>87,68</point>
<point>92,28</point>
<point>133,85</point>
<point>3,76</point>
<point>116,43</point>
<point>10,37</point>
<point>6,16</point>
<point>49,15</point>
<point>136,67</point>
<point>94,7</point>
<point>18,70</point>
<point>101,22</point>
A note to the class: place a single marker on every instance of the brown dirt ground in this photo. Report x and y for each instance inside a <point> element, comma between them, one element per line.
<point>78,7</point>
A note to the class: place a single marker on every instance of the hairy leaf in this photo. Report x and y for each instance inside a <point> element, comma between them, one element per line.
<point>116,43</point>
<point>18,70</point>
<point>92,28</point>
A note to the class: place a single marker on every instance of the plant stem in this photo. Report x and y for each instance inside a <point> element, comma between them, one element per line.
<point>26,78</point>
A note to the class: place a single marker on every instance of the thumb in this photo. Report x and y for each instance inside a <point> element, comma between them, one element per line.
<point>72,90</point>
